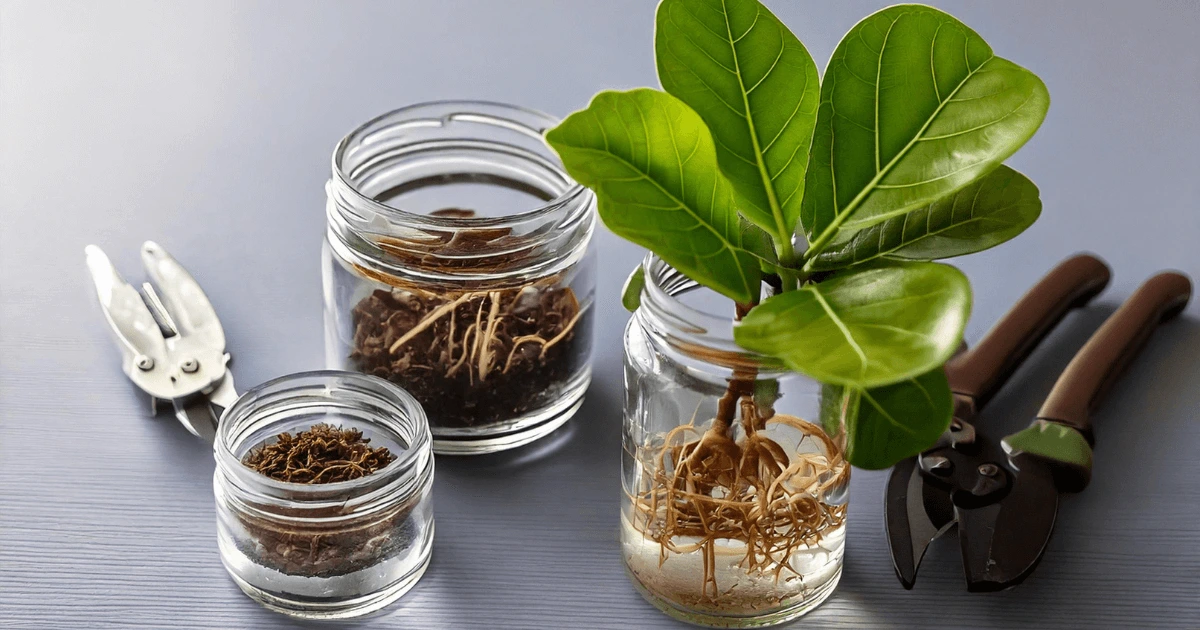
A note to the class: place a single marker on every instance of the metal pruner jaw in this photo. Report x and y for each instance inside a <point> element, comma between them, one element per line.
<point>186,303</point>
<point>188,362</point>
<point>142,345</point>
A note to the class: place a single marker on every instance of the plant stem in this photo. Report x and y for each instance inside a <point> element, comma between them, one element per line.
<point>787,258</point>
<point>789,279</point>
<point>742,384</point>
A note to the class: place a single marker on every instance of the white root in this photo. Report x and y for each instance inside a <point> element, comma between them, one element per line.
<point>477,349</point>
<point>450,337</point>
<point>478,331</point>
<point>702,500</point>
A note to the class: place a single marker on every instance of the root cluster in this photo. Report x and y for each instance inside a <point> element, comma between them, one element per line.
<point>470,357</point>
<point>322,454</point>
<point>714,487</point>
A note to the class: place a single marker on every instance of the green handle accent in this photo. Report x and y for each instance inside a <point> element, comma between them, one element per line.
<point>1064,447</point>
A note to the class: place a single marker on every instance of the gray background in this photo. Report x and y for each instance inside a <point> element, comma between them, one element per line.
<point>209,127</point>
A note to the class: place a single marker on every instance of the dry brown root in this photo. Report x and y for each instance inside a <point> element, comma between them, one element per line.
<point>711,488</point>
<point>475,339</point>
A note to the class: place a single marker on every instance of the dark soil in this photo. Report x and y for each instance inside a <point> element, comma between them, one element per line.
<point>316,549</point>
<point>479,357</point>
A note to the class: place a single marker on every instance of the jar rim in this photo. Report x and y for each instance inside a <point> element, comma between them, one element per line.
<point>525,120</point>
<point>686,328</point>
<point>412,410</point>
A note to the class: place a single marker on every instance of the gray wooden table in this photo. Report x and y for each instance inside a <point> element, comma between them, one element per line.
<point>208,127</point>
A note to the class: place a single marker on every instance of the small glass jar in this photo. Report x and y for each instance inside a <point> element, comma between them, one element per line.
<point>325,550</point>
<point>456,265</point>
<point>735,497</point>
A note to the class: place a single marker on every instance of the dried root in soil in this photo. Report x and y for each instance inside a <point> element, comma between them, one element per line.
<point>322,454</point>
<point>473,353</point>
<point>470,357</point>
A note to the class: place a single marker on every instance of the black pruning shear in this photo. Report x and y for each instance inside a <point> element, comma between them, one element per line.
<point>1003,494</point>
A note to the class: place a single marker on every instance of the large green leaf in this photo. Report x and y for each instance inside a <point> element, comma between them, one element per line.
<point>653,167</point>
<point>865,328</point>
<point>989,211</point>
<point>886,424</point>
<point>914,106</point>
<point>756,86</point>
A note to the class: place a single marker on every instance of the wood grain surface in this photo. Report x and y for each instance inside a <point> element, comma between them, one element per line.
<point>208,126</point>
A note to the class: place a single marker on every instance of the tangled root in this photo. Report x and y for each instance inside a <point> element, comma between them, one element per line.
<point>751,490</point>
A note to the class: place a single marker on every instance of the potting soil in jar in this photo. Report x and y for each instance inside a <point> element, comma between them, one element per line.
<point>323,454</point>
<point>472,356</point>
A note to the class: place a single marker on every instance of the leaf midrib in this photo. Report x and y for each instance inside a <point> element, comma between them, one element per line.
<point>837,321</point>
<point>883,252</point>
<point>768,185</point>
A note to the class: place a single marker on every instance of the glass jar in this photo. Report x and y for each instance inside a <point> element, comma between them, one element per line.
<point>325,550</point>
<point>735,498</point>
<point>456,265</point>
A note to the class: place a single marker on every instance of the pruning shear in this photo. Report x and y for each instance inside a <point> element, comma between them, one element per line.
<point>1003,494</point>
<point>172,344</point>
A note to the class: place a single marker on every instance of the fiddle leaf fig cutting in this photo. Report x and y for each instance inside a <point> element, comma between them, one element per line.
<point>835,191</point>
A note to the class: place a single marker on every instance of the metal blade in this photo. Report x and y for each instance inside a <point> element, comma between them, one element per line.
<point>165,322</point>
<point>201,415</point>
<point>133,326</point>
<point>224,395</point>
<point>917,514</point>
<point>186,303</point>
<point>1002,542</point>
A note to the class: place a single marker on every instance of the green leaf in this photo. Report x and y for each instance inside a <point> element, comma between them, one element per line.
<point>866,328</point>
<point>989,211</point>
<point>756,241</point>
<point>653,167</point>
<point>914,106</point>
<point>896,421</point>
<point>631,294</point>
<point>756,86</point>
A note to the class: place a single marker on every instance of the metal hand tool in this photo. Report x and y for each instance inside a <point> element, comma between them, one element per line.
<point>1003,494</point>
<point>172,344</point>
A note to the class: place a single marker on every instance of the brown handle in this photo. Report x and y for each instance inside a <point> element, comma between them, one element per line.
<point>981,371</point>
<point>1105,356</point>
